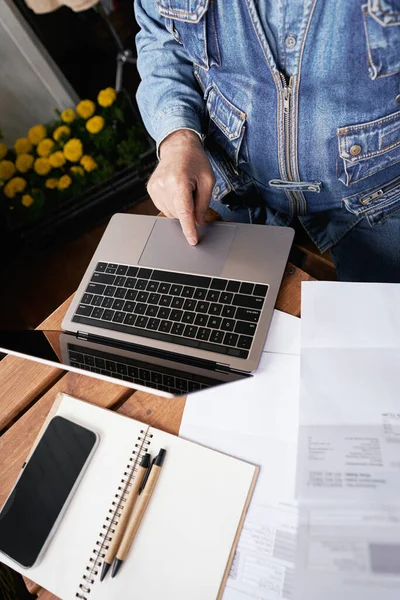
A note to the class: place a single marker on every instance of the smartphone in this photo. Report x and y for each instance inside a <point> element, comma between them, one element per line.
<point>47,482</point>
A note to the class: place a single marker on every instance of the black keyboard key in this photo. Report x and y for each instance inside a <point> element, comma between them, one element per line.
<point>228,325</point>
<point>153,324</point>
<point>229,311</point>
<point>130,283</point>
<point>118,304</point>
<point>188,317</point>
<point>113,265</point>
<point>260,290</point>
<point>107,302</point>
<point>129,306</point>
<point>213,347</point>
<point>131,295</point>
<point>111,366</point>
<point>85,310</point>
<point>140,309</point>
<point>120,292</point>
<point>96,288</point>
<point>165,326</point>
<point>248,301</point>
<point>218,284</point>
<point>144,273</point>
<point>142,296</point>
<point>141,284</point>
<point>190,331</point>
<point>246,314</point>
<point>214,322</point>
<point>164,313</point>
<point>176,315</point>
<point>246,288</point>
<point>164,288</point>
<point>177,328</point>
<point>233,286</point>
<point>110,290</point>
<point>97,300</point>
<point>100,363</point>
<point>190,305</point>
<point>122,269</point>
<point>226,298</point>
<point>181,384</point>
<point>154,299</point>
<point>103,278</point>
<point>187,292</point>
<point>213,296</point>
<point>245,328</point>
<point>202,307</point>
<point>119,316</point>
<point>231,339</point>
<point>181,278</point>
<point>132,271</point>
<point>122,369</point>
<point>201,320</point>
<point>97,313</point>
<point>101,267</point>
<point>144,374</point>
<point>177,302</point>
<point>215,309</point>
<point>111,269</point>
<point>108,315</point>
<point>244,342</point>
<point>130,319</point>
<point>156,377</point>
<point>87,299</point>
<point>176,290</point>
<point>141,321</point>
<point>169,381</point>
<point>152,310</point>
<point>152,286</point>
<point>120,281</point>
<point>203,334</point>
<point>236,352</point>
<point>165,300</point>
<point>200,294</point>
<point>76,357</point>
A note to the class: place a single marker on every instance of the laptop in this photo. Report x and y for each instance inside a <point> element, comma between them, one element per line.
<point>163,316</point>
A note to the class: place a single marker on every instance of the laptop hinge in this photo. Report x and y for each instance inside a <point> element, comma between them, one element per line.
<point>81,335</point>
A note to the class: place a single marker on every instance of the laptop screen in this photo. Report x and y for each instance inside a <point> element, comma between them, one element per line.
<point>134,366</point>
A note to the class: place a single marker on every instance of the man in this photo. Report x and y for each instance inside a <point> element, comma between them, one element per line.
<point>284,112</point>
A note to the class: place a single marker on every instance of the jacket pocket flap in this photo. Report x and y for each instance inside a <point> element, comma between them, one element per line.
<point>190,11</point>
<point>360,142</point>
<point>376,203</point>
<point>386,12</point>
<point>225,115</point>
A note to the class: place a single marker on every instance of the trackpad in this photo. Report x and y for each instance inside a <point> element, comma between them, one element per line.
<point>167,248</point>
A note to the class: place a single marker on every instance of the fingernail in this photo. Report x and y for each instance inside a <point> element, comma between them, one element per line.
<point>192,241</point>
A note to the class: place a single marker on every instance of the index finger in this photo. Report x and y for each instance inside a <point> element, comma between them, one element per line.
<point>184,211</point>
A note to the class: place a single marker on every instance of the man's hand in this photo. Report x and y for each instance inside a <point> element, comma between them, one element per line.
<point>183,181</point>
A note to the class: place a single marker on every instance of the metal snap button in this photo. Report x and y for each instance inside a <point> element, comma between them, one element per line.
<point>397,99</point>
<point>355,150</point>
<point>290,41</point>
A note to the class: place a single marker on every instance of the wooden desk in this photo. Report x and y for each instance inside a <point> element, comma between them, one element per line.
<point>28,390</point>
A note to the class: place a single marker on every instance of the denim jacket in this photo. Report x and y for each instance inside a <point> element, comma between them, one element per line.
<point>314,123</point>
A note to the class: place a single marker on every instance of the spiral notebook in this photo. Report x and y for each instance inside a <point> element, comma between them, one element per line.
<point>185,545</point>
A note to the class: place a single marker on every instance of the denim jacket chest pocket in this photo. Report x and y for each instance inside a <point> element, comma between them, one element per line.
<point>191,22</point>
<point>367,148</point>
<point>382,31</point>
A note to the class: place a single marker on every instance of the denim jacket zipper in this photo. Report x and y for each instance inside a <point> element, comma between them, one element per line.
<point>287,96</point>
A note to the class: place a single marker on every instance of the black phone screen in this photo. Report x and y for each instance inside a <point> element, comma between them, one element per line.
<point>31,511</point>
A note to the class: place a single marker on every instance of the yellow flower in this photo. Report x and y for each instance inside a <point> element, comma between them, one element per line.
<point>95,124</point>
<point>36,134</point>
<point>85,109</point>
<point>42,166</point>
<point>107,97</point>
<point>57,159</point>
<point>61,132</point>
<point>78,171</point>
<point>22,146</point>
<point>68,115</point>
<point>7,169</point>
<point>88,163</point>
<point>14,186</point>
<point>3,151</point>
<point>64,182</point>
<point>27,200</point>
<point>45,147</point>
<point>24,162</point>
<point>51,183</point>
<point>73,150</point>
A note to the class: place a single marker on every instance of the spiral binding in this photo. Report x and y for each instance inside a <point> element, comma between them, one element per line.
<point>114,514</point>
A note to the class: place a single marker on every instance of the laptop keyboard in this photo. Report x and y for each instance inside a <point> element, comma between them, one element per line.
<point>214,314</point>
<point>122,368</point>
